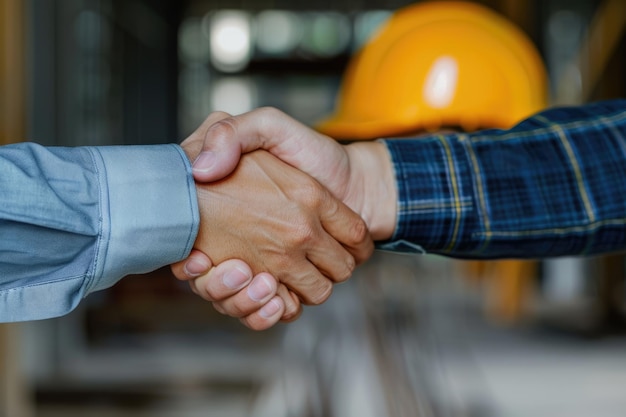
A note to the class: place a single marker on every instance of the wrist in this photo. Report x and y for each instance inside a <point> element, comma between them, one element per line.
<point>374,187</point>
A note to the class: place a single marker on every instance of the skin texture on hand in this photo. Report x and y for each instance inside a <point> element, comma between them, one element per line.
<point>229,285</point>
<point>281,221</point>
<point>361,175</point>
<point>238,297</point>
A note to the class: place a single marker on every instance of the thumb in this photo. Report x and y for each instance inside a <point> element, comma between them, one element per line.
<point>230,137</point>
<point>214,165</point>
<point>221,150</point>
<point>264,128</point>
<point>198,149</point>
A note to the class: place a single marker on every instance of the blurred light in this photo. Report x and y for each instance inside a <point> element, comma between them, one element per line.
<point>569,89</point>
<point>326,34</point>
<point>367,23</point>
<point>564,34</point>
<point>91,30</point>
<point>564,279</point>
<point>565,27</point>
<point>192,81</point>
<point>230,40</point>
<point>94,83</point>
<point>192,43</point>
<point>195,100</point>
<point>278,32</point>
<point>234,95</point>
<point>441,81</point>
<point>309,99</point>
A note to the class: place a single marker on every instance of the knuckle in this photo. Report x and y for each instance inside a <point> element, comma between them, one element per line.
<point>212,294</point>
<point>199,288</point>
<point>344,275</point>
<point>310,193</point>
<point>192,287</point>
<point>218,307</point>
<point>359,232</point>
<point>306,222</point>
<point>252,324</point>
<point>224,127</point>
<point>269,112</point>
<point>320,295</point>
<point>218,114</point>
<point>178,272</point>
<point>292,312</point>
<point>281,261</point>
<point>235,310</point>
<point>303,233</point>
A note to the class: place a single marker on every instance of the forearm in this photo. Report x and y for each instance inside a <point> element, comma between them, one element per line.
<point>553,185</point>
<point>76,220</point>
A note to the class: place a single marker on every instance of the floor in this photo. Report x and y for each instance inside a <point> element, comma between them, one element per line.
<point>415,343</point>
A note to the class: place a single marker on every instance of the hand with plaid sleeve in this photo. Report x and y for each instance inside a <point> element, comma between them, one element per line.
<point>553,185</point>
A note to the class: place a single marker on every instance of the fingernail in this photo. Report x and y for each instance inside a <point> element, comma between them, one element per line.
<point>235,278</point>
<point>204,161</point>
<point>195,267</point>
<point>260,288</point>
<point>269,309</point>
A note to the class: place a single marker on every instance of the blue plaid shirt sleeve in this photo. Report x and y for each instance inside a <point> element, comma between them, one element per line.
<point>553,185</point>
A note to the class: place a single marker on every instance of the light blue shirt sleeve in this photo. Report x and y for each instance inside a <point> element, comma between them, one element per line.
<point>77,220</point>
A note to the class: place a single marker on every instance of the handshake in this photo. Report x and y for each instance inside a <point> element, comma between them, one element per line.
<point>285,212</point>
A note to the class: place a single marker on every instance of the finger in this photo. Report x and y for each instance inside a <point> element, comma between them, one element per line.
<point>346,227</point>
<point>319,258</point>
<point>196,264</point>
<point>293,306</point>
<point>267,316</point>
<point>309,288</point>
<point>309,285</point>
<point>252,298</point>
<point>223,281</point>
<point>331,259</point>
<point>340,226</point>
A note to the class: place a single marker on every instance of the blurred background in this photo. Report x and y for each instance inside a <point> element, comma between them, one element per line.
<point>407,336</point>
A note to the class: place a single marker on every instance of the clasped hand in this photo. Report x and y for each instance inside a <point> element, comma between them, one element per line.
<point>274,236</point>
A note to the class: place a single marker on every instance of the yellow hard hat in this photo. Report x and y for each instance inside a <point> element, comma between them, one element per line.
<point>438,64</point>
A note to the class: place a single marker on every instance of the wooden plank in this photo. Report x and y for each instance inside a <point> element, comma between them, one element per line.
<point>12,72</point>
<point>14,392</point>
<point>600,43</point>
<point>15,395</point>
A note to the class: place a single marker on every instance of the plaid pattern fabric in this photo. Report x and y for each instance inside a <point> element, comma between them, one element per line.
<point>553,185</point>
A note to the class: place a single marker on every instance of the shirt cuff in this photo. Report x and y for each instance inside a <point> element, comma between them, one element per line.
<point>401,246</point>
<point>435,204</point>
<point>149,210</point>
